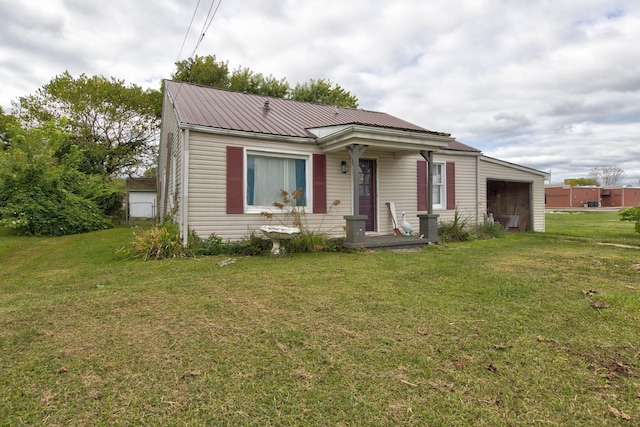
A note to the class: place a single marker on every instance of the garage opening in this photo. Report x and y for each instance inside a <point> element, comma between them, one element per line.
<point>510,204</point>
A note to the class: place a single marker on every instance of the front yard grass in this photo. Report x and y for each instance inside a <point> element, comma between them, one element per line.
<point>492,332</point>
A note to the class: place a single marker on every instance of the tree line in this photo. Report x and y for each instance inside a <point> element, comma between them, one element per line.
<point>65,149</point>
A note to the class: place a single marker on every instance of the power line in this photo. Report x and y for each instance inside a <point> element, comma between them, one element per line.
<point>188,29</point>
<point>206,25</point>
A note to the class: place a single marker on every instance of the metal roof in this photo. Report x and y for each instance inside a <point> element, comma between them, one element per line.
<point>230,110</point>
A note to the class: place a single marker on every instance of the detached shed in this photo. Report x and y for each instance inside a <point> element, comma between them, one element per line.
<point>141,201</point>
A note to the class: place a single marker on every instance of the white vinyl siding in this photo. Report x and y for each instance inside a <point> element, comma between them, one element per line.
<point>207,188</point>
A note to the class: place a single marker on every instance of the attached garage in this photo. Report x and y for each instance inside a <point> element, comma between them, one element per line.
<point>514,194</point>
<point>510,204</point>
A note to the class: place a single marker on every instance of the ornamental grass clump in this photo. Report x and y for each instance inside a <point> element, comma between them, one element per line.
<point>158,242</point>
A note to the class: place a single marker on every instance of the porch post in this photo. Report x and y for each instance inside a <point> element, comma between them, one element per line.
<point>428,156</point>
<point>355,222</point>
<point>355,151</point>
<point>429,222</point>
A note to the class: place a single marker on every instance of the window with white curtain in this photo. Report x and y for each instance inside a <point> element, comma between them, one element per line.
<point>439,197</point>
<point>268,174</point>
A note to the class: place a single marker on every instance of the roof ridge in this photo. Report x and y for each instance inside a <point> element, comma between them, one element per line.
<point>222,108</point>
<point>274,97</point>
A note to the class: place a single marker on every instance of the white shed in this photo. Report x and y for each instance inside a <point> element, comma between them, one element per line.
<point>142,196</point>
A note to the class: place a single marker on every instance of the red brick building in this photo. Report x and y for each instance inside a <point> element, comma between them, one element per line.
<point>560,196</point>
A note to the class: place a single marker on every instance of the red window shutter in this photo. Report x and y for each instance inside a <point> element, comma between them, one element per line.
<point>319,183</point>
<point>451,185</point>
<point>235,171</point>
<point>422,186</point>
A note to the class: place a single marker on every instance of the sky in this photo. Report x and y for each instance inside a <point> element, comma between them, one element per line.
<point>549,84</point>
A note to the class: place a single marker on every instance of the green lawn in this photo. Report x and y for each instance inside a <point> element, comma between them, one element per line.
<point>492,332</point>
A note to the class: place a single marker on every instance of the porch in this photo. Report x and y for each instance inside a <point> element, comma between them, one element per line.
<point>390,241</point>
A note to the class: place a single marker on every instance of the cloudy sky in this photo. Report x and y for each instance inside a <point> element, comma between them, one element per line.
<point>550,84</point>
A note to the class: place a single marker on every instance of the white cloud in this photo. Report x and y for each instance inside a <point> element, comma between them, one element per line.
<point>551,85</point>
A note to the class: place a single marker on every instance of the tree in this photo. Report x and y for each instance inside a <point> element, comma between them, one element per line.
<point>580,182</point>
<point>113,125</point>
<point>208,71</point>
<point>8,124</point>
<point>324,92</point>
<point>204,70</point>
<point>607,176</point>
<point>245,80</point>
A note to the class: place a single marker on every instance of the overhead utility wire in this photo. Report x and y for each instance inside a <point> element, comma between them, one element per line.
<point>188,29</point>
<point>205,28</point>
<point>206,24</point>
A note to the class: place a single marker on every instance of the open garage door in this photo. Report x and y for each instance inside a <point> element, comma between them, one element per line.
<point>510,204</point>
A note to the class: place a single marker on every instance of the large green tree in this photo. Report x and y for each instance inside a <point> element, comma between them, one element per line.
<point>324,92</point>
<point>114,125</point>
<point>245,80</point>
<point>204,70</point>
<point>207,70</point>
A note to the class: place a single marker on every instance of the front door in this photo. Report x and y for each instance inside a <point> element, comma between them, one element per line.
<point>367,191</point>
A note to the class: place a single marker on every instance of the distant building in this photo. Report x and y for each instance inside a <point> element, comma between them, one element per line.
<point>562,196</point>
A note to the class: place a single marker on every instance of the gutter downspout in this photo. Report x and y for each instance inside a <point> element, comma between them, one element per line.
<point>185,190</point>
<point>478,193</point>
<point>571,196</point>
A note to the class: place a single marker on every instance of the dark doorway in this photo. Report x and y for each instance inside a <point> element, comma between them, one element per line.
<point>367,192</point>
<point>510,204</point>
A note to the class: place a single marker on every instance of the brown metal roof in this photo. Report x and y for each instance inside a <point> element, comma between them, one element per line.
<point>459,146</point>
<point>229,110</point>
<point>144,184</point>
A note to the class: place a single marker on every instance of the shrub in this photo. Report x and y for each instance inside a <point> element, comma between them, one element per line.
<point>632,215</point>
<point>214,245</point>
<point>42,195</point>
<point>254,245</point>
<point>315,243</point>
<point>35,204</point>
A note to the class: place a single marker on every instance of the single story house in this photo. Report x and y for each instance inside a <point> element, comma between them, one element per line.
<point>225,156</point>
<point>559,196</point>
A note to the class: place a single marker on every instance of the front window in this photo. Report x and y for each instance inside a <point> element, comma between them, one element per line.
<point>438,186</point>
<point>268,174</point>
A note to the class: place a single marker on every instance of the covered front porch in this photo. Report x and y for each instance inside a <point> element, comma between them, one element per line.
<point>365,198</point>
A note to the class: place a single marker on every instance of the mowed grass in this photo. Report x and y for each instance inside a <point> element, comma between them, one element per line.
<point>494,332</point>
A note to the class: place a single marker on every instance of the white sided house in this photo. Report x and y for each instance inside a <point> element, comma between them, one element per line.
<point>225,157</point>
